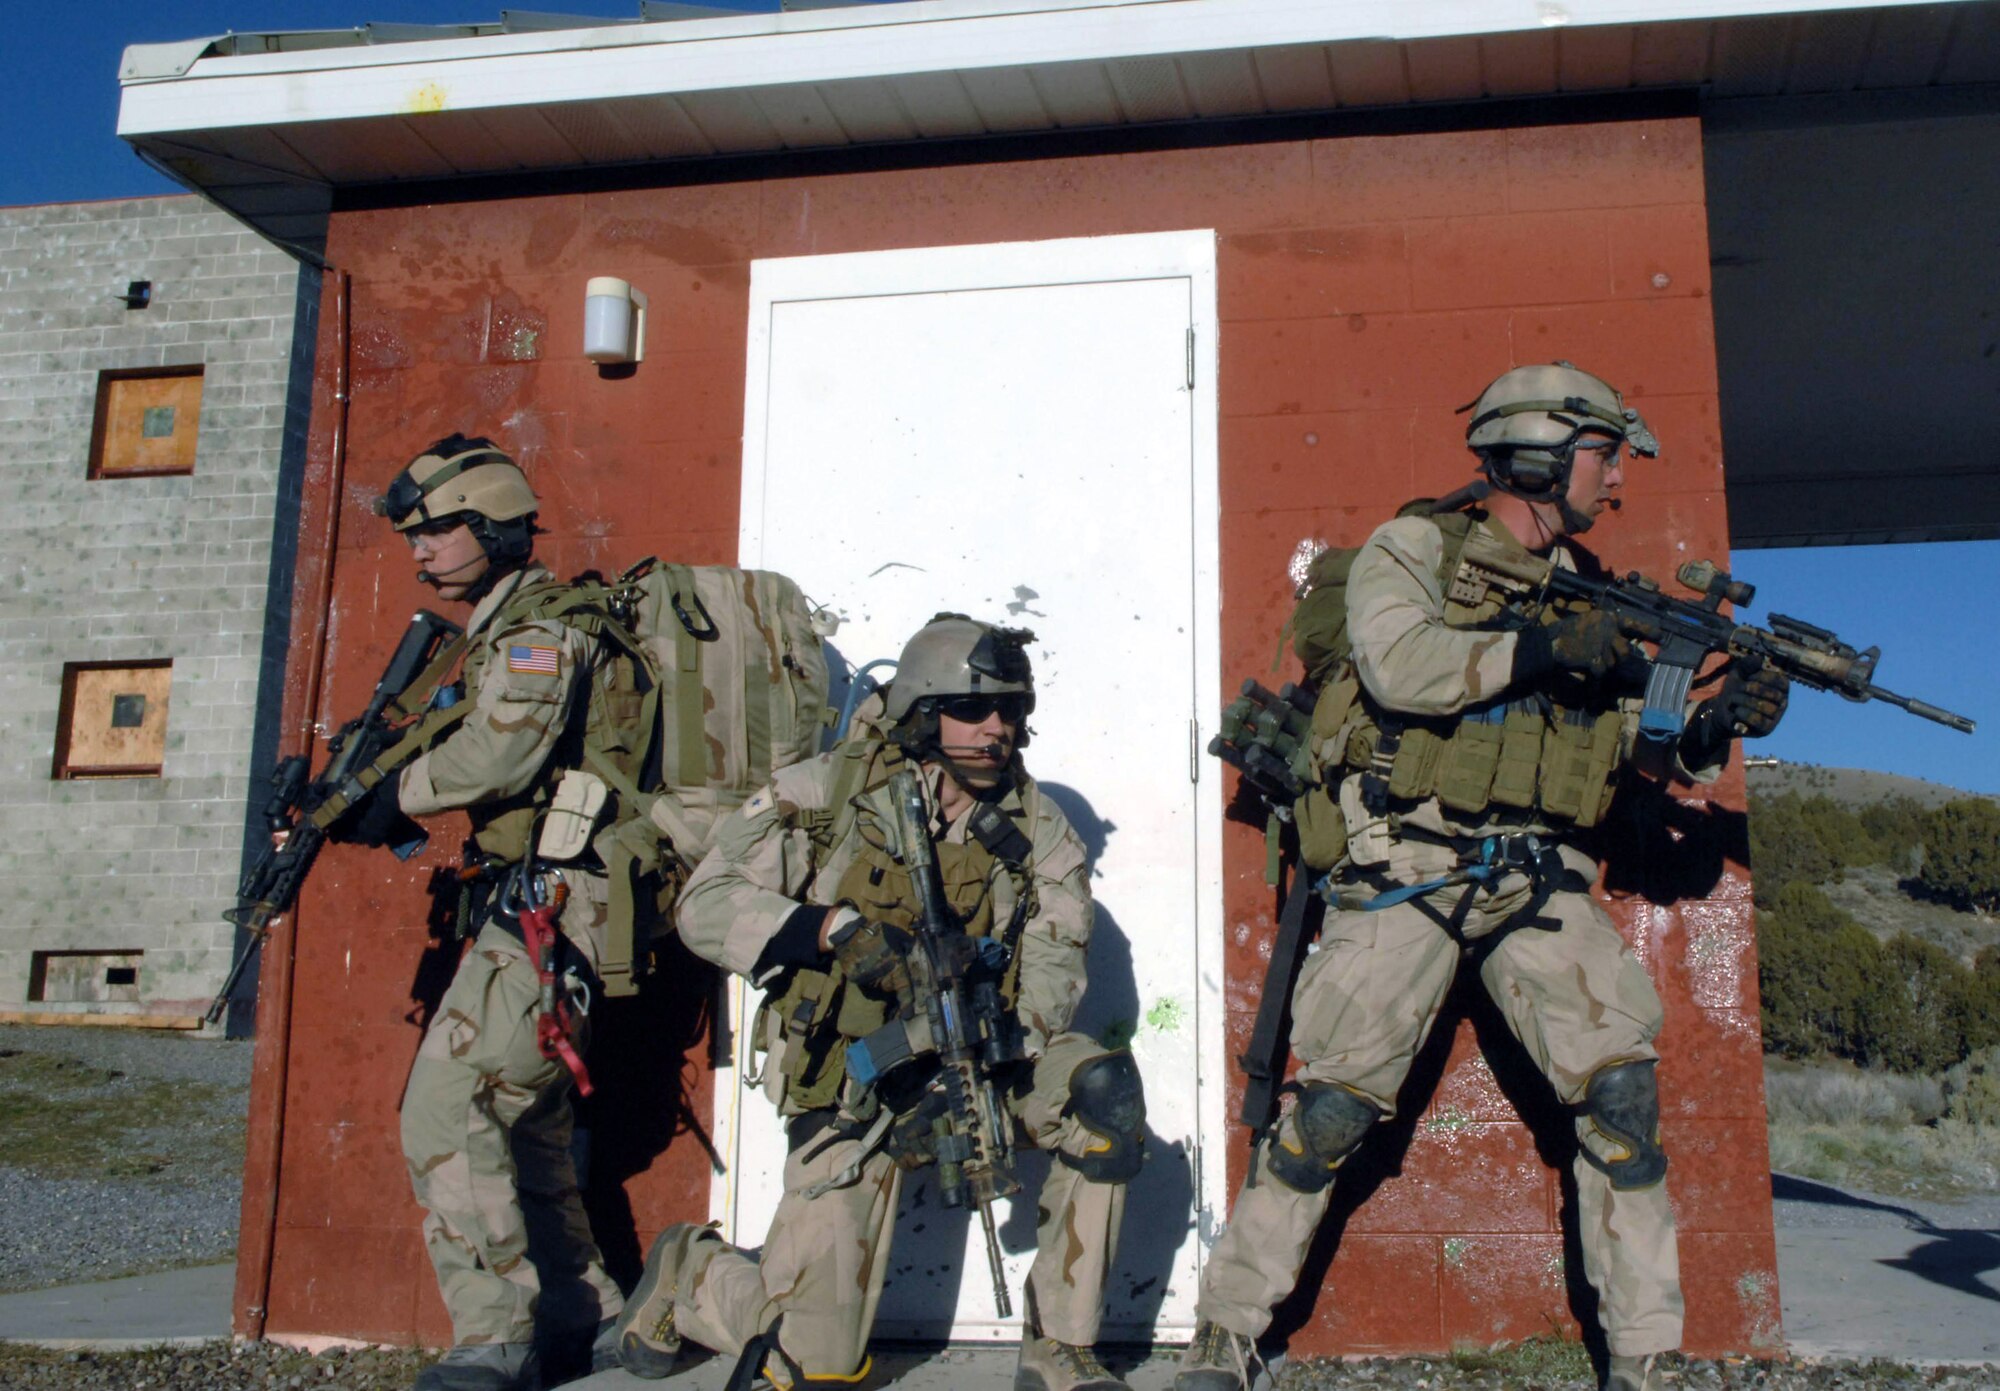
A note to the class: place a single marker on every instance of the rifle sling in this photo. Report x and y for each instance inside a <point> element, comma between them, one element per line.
<point>1263,1062</point>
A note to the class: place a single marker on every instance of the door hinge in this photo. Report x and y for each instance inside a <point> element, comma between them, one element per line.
<point>1190,359</point>
<point>1194,750</point>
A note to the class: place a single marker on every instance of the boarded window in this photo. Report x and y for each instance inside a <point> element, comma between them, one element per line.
<point>147,419</point>
<point>113,720</point>
<point>79,977</point>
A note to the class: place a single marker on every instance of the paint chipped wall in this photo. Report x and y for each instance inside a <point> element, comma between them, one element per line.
<point>1369,286</point>
<point>133,568</point>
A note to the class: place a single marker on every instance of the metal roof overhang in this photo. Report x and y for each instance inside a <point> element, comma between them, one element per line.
<point>269,135</point>
<point>270,127</point>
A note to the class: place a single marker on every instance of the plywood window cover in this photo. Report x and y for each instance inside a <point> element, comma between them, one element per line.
<point>63,768</point>
<point>101,432</point>
<point>116,973</point>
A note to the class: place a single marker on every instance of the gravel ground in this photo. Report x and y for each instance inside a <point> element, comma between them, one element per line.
<point>263,1367</point>
<point>178,1206</point>
<point>153,1177</point>
<point>1808,1203</point>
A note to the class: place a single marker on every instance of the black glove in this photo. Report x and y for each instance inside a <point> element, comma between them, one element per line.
<point>1749,706</point>
<point>874,955</point>
<point>378,820</point>
<point>1588,643</point>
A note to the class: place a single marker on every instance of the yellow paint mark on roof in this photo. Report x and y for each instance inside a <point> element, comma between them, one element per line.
<point>426,99</point>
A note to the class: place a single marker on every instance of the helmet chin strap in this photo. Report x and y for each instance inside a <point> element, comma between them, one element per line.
<point>1575,523</point>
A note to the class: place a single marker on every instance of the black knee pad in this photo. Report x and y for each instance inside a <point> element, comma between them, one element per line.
<point>1108,1100</point>
<point>1332,1122</point>
<point>1623,1103</point>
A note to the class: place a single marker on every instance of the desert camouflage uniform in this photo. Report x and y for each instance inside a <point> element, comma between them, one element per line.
<point>486,1118</point>
<point>1367,998</point>
<point>823,1264</point>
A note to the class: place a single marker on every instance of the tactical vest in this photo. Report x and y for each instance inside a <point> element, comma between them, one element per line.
<point>1530,753</point>
<point>613,739</point>
<point>821,1010</point>
<point>619,702</point>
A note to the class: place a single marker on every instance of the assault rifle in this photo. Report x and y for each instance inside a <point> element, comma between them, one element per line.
<point>1268,738</point>
<point>952,1009</point>
<point>299,810</point>
<point>1687,632</point>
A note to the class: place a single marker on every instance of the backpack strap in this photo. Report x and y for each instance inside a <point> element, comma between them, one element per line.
<point>857,761</point>
<point>690,734</point>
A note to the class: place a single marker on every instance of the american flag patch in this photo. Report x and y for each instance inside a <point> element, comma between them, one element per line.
<point>542,661</point>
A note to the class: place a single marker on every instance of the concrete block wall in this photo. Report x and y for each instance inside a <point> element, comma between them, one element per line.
<point>133,568</point>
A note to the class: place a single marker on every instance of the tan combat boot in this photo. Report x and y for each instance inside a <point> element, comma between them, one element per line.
<point>1632,1374</point>
<point>648,1342</point>
<point>1217,1360</point>
<point>1047,1365</point>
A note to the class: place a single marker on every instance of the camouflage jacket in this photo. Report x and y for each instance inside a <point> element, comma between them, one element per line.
<point>1411,659</point>
<point>765,864</point>
<point>504,759</point>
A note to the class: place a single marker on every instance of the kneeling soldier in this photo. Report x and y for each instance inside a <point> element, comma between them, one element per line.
<point>803,896</point>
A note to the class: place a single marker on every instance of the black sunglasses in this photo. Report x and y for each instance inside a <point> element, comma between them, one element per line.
<point>972,709</point>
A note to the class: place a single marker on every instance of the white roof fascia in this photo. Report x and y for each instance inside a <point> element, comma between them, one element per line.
<point>874,41</point>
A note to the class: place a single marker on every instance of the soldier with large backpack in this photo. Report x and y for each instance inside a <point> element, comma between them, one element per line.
<point>486,1115</point>
<point>824,889</point>
<point>1462,734</point>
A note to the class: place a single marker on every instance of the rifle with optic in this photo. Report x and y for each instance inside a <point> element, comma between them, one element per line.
<point>299,810</point>
<point>951,1008</point>
<point>1687,632</point>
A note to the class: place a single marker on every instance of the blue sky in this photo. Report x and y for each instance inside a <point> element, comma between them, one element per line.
<point>1923,604</point>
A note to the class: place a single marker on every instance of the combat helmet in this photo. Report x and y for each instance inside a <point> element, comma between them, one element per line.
<point>469,480</point>
<point>1527,424</point>
<point>953,655</point>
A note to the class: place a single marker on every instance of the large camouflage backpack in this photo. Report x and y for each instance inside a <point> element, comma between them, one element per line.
<point>738,687</point>
<point>1318,625</point>
<point>1275,739</point>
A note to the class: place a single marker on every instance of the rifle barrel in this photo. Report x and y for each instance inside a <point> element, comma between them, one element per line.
<point>1003,1304</point>
<point>1923,708</point>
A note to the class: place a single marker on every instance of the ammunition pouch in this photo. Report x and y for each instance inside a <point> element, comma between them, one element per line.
<point>1560,763</point>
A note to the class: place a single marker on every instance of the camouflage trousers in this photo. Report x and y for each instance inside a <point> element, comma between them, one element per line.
<point>823,1263</point>
<point>486,1135</point>
<point>1574,996</point>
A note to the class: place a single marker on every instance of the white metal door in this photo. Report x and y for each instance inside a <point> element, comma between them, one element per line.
<point>1026,433</point>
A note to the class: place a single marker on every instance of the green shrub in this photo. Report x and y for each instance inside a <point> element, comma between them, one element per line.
<point>1930,1032</point>
<point>1801,839</point>
<point>1821,977</point>
<point>1896,825</point>
<point>1962,853</point>
<point>1829,989</point>
<point>1972,1089</point>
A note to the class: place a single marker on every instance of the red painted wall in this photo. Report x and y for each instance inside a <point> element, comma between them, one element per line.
<point>1369,285</point>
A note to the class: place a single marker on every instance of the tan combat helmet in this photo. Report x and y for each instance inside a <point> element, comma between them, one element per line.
<point>469,480</point>
<point>953,655</point>
<point>1527,424</point>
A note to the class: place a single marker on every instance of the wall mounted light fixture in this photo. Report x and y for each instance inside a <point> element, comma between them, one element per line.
<point>614,321</point>
<point>138,294</point>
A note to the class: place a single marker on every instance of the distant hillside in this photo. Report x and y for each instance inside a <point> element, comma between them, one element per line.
<point>1851,787</point>
<point>1881,897</point>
